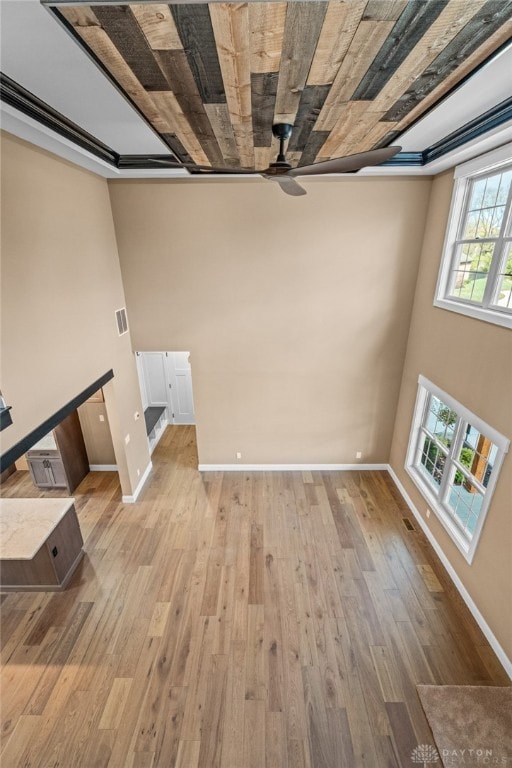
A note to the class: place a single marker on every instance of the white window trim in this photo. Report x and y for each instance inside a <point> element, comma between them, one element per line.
<point>464,173</point>
<point>426,388</point>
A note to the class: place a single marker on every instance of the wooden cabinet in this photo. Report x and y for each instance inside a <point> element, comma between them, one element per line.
<point>60,460</point>
<point>41,545</point>
<point>47,472</point>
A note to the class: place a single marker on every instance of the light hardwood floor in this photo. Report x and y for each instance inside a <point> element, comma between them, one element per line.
<point>239,620</point>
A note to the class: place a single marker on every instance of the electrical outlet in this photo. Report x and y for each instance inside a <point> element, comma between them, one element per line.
<point>428,512</point>
<point>238,455</point>
<point>127,439</point>
<point>359,454</point>
<point>138,472</point>
<point>102,418</point>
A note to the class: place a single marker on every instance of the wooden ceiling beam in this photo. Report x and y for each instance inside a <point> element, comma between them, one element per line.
<point>499,38</point>
<point>408,29</point>
<point>266,23</point>
<point>338,30</point>
<point>102,46</point>
<point>194,25</point>
<point>442,31</point>
<point>80,16</point>
<point>158,26</point>
<point>122,28</point>
<point>304,22</point>
<point>492,16</point>
<point>351,113</point>
<point>368,38</point>
<point>220,120</point>
<point>261,158</point>
<point>372,138</point>
<point>386,10</point>
<point>263,98</point>
<point>357,134</point>
<point>168,106</point>
<point>174,65</point>
<point>311,102</point>
<point>314,144</point>
<point>230,22</point>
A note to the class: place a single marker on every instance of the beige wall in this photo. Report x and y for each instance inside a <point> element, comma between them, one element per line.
<point>61,284</point>
<point>472,361</point>
<point>295,310</point>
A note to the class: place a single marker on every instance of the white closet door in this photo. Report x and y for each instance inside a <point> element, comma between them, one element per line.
<point>179,375</point>
<point>155,378</point>
<point>140,372</point>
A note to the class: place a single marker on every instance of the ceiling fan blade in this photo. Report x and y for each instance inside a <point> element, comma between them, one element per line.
<point>346,164</point>
<point>287,184</point>
<point>195,167</point>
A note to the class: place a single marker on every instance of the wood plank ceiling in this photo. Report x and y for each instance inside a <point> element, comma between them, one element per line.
<point>351,75</point>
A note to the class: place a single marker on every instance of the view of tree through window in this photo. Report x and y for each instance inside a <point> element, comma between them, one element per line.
<point>475,455</point>
<point>455,459</point>
<point>482,267</point>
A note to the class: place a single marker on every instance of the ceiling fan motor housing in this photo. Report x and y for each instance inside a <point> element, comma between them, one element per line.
<point>281,131</point>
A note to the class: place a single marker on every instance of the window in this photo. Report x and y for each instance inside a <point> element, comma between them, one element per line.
<point>454,458</point>
<point>476,270</point>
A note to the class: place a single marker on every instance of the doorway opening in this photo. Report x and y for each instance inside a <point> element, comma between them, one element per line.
<point>165,380</point>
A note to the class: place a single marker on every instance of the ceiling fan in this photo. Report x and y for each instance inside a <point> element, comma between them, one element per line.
<point>284,174</point>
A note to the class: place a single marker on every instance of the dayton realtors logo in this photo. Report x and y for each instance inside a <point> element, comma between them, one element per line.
<point>425,754</point>
<point>473,756</point>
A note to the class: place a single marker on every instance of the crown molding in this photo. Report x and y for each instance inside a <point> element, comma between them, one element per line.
<point>24,101</point>
<point>494,118</point>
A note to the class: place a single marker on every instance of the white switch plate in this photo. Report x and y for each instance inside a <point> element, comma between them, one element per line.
<point>127,439</point>
<point>102,418</point>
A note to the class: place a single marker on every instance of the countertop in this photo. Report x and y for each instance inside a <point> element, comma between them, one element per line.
<point>47,443</point>
<point>25,524</point>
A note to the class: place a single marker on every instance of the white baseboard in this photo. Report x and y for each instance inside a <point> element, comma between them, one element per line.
<point>287,467</point>
<point>493,642</point>
<point>103,467</point>
<point>132,499</point>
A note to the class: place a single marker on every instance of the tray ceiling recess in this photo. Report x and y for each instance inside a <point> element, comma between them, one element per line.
<point>212,79</point>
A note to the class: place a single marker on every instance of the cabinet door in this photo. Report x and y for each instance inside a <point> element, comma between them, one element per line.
<point>56,470</point>
<point>39,473</point>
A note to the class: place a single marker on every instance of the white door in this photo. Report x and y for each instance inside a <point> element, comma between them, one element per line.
<point>179,377</point>
<point>140,372</point>
<point>166,380</point>
<point>155,380</point>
